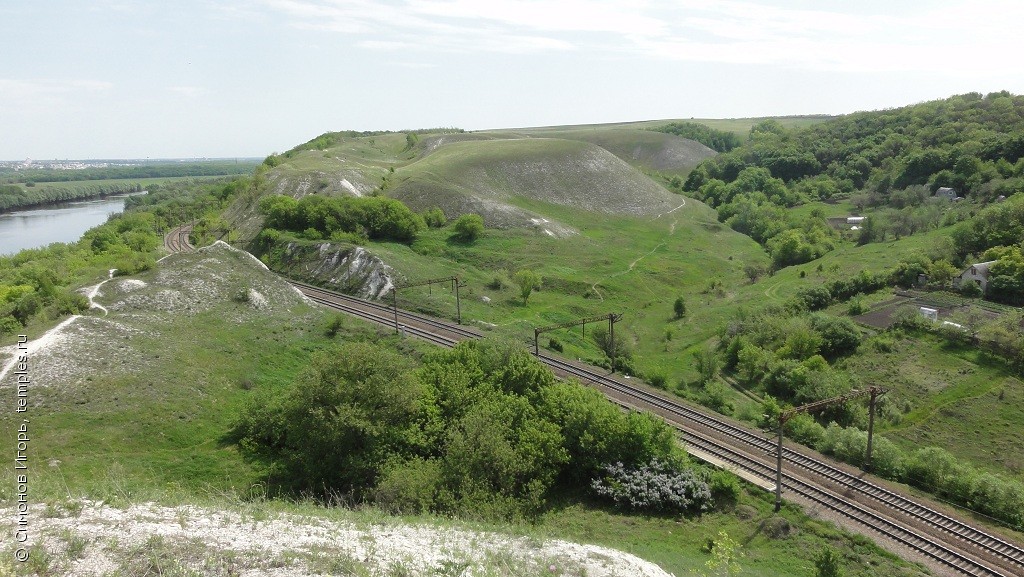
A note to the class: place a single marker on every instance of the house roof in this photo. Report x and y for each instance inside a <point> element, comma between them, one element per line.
<point>943,190</point>
<point>981,268</point>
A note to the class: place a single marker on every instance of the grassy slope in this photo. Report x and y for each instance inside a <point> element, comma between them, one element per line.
<point>493,175</point>
<point>152,413</point>
<point>961,399</point>
<point>664,266</point>
<point>646,150</point>
<point>148,422</point>
<point>740,126</point>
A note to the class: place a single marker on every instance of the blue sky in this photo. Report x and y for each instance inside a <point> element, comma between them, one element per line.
<point>123,78</point>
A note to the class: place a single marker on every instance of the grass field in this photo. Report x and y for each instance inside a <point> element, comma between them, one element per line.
<point>959,398</point>
<point>147,419</point>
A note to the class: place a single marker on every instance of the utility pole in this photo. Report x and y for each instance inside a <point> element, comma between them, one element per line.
<point>455,285</point>
<point>778,468</point>
<point>611,317</point>
<point>874,392</point>
<point>394,303</point>
<point>458,306</point>
<point>611,339</point>
<point>817,406</point>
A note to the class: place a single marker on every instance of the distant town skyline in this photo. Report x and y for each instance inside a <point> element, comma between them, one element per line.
<point>138,79</point>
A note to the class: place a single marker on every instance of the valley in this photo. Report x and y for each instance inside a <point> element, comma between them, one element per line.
<point>736,293</point>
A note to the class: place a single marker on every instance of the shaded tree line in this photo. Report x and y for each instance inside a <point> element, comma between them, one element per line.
<point>156,170</point>
<point>342,218</point>
<point>13,196</point>
<point>970,142</point>
<point>717,140</point>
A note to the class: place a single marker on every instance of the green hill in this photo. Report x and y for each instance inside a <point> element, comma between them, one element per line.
<point>505,180</point>
<point>644,149</point>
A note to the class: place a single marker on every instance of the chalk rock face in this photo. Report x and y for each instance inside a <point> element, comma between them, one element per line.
<point>349,269</point>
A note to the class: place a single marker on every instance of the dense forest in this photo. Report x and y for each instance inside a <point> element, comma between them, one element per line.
<point>887,165</point>
<point>970,142</point>
<point>156,170</point>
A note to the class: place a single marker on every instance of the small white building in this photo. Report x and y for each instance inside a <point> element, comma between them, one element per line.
<point>930,314</point>
<point>946,193</point>
<point>977,274</point>
<point>855,219</point>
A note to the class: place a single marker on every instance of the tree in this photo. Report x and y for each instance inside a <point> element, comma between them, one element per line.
<point>753,271</point>
<point>350,409</point>
<point>706,361</point>
<point>468,227</point>
<point>828,563</point>
<point>679,307</point>
<point>528,281</point>
<point>941,273</point>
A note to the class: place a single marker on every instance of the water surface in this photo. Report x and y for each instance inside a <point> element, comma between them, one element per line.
<point>63,222</point>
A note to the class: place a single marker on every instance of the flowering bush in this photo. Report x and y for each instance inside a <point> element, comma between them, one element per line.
<point>655,486</point>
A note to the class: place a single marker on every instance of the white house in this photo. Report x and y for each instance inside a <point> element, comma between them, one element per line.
<point>946,193</point>
<point>976,273</point>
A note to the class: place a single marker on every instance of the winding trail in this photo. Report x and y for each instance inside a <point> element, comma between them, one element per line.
<point>632,265</point>
<point>33,347</point>
<point>94,291</point>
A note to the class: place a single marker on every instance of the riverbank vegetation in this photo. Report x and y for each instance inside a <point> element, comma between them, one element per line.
<point>13,196</point>
<point>134,171</point>
<point>38,285</point>
<point>41,186</point>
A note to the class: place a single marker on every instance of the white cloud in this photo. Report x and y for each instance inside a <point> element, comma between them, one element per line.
<point>972,38</point>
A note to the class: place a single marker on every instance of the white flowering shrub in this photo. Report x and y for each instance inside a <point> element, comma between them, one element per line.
<point>655,486</point>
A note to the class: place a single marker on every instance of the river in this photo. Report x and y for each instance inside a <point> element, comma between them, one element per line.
<point>63,222</point>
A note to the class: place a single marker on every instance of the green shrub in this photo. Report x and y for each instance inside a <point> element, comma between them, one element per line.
<point>970,290</point>
<point>434,218</point>
<point>856,306</point>
<point>658,380</point>
<point>349,411</point>
<point>814,298</point>
<point>9,325</point>
<point>318,217</point>
<point>468,227</point>
<point>499,282</point>
<point>725,489</point>
<point>334,324</point>
<point>410,487</point>
<point>69,303</point>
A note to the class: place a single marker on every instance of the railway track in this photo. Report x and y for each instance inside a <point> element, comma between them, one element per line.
<point>177,239</point>
<point>949,542</point>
